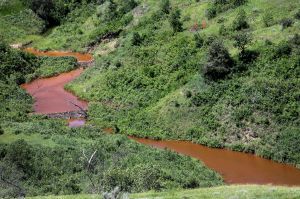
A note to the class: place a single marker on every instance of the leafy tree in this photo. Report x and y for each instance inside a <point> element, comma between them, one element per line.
<point>136,39</point>
<point>175,20</point>
<point>240,21</point>
<point>165,6</point>
<point>52,12</point>
<point>219,61</point>
<point>241,40</point>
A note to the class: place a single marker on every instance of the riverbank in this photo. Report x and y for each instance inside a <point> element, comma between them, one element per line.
<point>235,168</point>
<point>224,192</point>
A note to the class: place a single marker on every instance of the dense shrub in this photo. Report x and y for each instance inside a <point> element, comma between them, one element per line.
<point>240,21</point>
<point>15,63</point>
<point>165,6</point>
<point>117,162</point>
<point>268,19</point>
<point>174,20</point>
<point>199,41</point>
<point>52,12</point>
<point>211,12</point>
<point>297,15</point>
<point>136,39</point>
<point>285,23</point>
<point>219,61</point>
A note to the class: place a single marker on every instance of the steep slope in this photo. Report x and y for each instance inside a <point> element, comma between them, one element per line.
<point>153,84</point>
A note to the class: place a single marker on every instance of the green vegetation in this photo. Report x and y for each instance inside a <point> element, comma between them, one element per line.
<point>40,156</point>
<point>51,66</point>
<point>159,88</point>
<point>224,192</point>
<point>231,83</point>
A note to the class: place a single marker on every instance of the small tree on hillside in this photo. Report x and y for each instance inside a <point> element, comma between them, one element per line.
<point>165,6</point>
<point>219,61</point>
<point>175,21</point>
<point>241,40</point>
<point>136,39</point>
<point>240,21</point>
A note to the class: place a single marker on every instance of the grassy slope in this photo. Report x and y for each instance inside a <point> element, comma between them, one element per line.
<point>224,192</point>
<point>142,89</point>
<point>19,24</point>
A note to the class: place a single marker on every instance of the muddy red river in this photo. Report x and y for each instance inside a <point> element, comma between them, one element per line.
<point>235,167</point>
<point>49,93</point>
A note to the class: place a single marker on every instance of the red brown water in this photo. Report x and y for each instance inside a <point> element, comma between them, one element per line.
<point>49,93</point>
<point>81,57</point>
<point>235,167</point>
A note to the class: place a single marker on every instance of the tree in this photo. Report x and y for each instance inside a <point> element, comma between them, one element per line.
<point>240,21</point>
<point>174,20</point>
<point>165,6</point>
<point>241,40</point>
<point>52,12</point>
<point>136,39</point>
<point>219,61</point>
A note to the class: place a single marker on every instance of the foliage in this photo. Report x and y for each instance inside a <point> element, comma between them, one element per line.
<point>268,19</point>
<point>198,40</point>
<point>287,22</point>
<point>165,6</point>
<point>174,20</point>
<point>14,63</point>
<point>136,39</point>
<point>219,61</point>
<point>240,21</point>
<point>221,192</point>
<point>117,162</point>
<point>51,66</point>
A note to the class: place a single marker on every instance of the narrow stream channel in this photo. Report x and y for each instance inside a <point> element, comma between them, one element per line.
<point>235,167</point>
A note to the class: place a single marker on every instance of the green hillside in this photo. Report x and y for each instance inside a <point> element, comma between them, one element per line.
<point>222,73</point>
<point>157,87</point>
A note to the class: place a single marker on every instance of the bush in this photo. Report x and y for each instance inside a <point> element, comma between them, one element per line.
<point>211,12</point>
<point>175,22</point>
<point>297,15</point>
<point>242,39</point>
<point>268,19</point>
<point>282,49</point>
<point>236,3</point>
<point>223,30</point>
<point>198,40</point>
<point>219,61</point>
<point>165,6</point>
<point>136,39</point>
<point>285,23</point>
<point>52,12</point>
<point>240,21</point>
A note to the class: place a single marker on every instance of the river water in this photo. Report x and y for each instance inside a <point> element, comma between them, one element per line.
<point>235,167</point>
